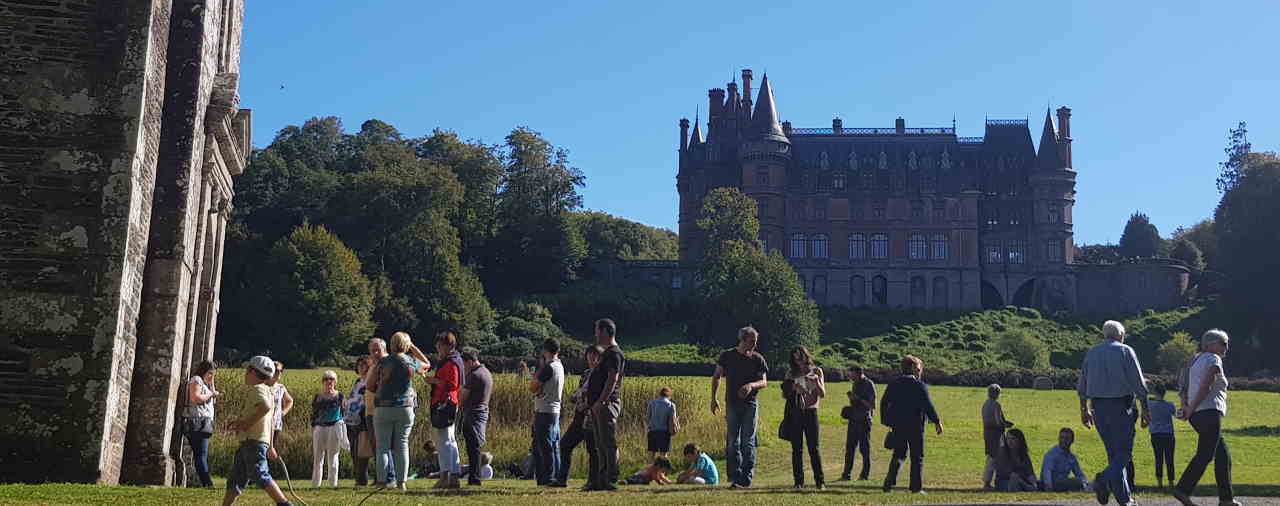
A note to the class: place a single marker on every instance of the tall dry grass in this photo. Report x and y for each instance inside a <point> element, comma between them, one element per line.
<point>511,418</point>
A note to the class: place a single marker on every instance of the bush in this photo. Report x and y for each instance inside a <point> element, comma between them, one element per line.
<point>1023,349</point>
<point>1175,352</point>
<point>513,326</point>
<point>514,347</point>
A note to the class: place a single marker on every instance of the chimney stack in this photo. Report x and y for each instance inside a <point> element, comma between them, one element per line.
<point>715,103</point>
<point>786,128</point>
<point>1064,134</point>
<point>900,126</point>
<point>746,93</point>
<point>684,134</point>
<point>837,126</point>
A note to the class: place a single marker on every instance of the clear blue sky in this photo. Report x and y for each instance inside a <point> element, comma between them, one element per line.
<point>1154,88</point>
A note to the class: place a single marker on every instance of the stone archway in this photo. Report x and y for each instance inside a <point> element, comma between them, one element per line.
<point>1025,296</point>
<point>991,298</point>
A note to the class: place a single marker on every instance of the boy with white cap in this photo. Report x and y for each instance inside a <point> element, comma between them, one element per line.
<point>254,426</point>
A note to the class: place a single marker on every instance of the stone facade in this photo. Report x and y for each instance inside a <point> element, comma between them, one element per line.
<point>904,217</point>
<point>120,129</point>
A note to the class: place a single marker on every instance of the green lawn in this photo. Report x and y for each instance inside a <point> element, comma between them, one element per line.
<point>952,473</point>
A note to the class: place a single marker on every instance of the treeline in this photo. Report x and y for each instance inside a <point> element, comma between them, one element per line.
<point>336,237</point>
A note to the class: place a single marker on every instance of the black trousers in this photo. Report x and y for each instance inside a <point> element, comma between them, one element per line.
<point>857,440</point>
<point>576,434</point>
<point>807,422</point>
<point>1163,445</point>
<point>912,444</point>
<point>1210,446</point>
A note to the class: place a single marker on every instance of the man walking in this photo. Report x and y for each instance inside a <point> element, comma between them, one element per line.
<point>862,400</point>
<point>474,399</point>
<point>1111,378</point>
<point>745,372</point>
<point>605,394</point>
<point>547,387</point>
<point>905,407</point>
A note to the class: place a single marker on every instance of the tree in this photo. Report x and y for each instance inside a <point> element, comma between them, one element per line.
<point>320,301</point>
<point>1175,352</point>
<point>743,286</point>
<point>609,239</point>
<point>444,294</point>
<point>479,168</point>
<point>1187,252</point>
<point>1247,246</point>
<point>1237,152</point>
<point>1204,237</point>
<point>1024,349</point>
<point>1140,239</point>
<point>1097,254</point>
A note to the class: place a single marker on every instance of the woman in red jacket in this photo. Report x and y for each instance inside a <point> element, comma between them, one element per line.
<point>444,407</point>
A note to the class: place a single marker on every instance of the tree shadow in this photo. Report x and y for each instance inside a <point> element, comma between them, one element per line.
<point>1255,431</point>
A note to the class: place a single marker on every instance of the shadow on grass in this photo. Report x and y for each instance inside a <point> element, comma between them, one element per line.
<point>1255,431</point>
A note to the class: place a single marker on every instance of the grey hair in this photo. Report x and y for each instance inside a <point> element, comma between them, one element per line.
<point>1112,329</point>
<point>748,331</point>
<point>378,341</point>
<point>993,390</point>
<point>1214,336</point>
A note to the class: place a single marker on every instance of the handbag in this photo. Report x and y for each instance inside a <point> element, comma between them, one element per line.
<point>197,424</point>
<point>443,415</point>
<point>846,412</point>
<point>891,440</point>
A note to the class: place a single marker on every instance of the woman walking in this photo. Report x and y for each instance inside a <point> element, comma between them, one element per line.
<point>197,417</point>
<point>803,388</point>
<point>391,381</point>
<point>444,408</point>
<point>328,434</point>
<point>353,418</point>
<point>1207,392</point>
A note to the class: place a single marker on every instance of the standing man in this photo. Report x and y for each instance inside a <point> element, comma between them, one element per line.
<point>254,427</point>
<point>547,387</point>
<point>377,352</point>
<point>474,398</point>
<point>904,408</point>
<point>578,431</point>
<point>862,398</point>
<point>745,372</point>
<point>605,394</point>
<point>1111,377</point>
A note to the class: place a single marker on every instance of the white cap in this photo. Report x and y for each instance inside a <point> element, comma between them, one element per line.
<point>263,365</point>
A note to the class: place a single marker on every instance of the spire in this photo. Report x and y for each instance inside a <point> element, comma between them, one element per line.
<point>696,138</point>
<point>764,121</point>
<point>1047,156</point>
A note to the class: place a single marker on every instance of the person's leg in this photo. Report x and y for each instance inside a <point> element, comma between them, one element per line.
<point>238,477</point>
<point>609,443</point>
<point>916,443</point>
<point>1168,456</point>
<point>750,420</point>
<point>200,454</point>
<point>540,432</point>
<point>1207,429</point>
<point>812,439</point>
<point>471,438</point>
<point>864,447</point>
<point>401,427</point>
<point>1129,475</point>
<point>1114,419</point>
<point>553,434</point>
<point>334,449</point>
<point>895,463</point>
<point>572,438</point>
<point>988,472</point>
<point>317,456</point>
<point>1222,469</point>
<point>1067,485</point>
<point>382,452</point>
<point>850,446</point>
<point>593,457</point>
<point>453,455</point>
<point>797,461</point>
<point>732,443</point>
<point>1158,450</point>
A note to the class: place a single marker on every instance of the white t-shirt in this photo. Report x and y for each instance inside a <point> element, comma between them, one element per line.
<point>547,400</point>
<point>1217,396</point>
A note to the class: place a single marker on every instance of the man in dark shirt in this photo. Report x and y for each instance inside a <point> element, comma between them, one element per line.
<point>578,432</point>
<point>474,398</point>
<point>745,372</point>
<point>862,398</point>
<point>605,396</point>
<point>904,408</point>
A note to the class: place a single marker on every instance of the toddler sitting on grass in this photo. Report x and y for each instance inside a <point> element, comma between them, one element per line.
<point>655,472</point>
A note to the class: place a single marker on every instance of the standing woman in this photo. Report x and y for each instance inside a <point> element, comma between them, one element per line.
<point>328,433</point>
<point>391,381</point>
<point>197,416</point>
<point>353,417</point>
<point>444,399</point>
<point>1207,391</point>
<point>803,388</point>
<point>283,404</point>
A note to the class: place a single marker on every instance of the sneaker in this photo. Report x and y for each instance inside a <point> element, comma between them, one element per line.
<point>845,478</point>
<point>1100,489</point>
<point>609,487</point>
<point>588,488</point>
<point>474,483</point>
<point>1182,497</point>
<point>799,486</point>
<point>864,478</point>
<point>820,486</point>
<point>558,484</point>
<point>886,489</point>
<point>920,492</point>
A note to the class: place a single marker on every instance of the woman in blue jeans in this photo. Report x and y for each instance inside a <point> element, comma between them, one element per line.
<point>391,381</point>
<point>197,417</point>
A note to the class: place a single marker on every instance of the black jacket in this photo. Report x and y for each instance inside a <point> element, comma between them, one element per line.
<point>906,404</point>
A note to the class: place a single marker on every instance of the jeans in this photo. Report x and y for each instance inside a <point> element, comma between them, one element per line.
<point>1015,485</point>
<point>575,435</point>
<point>808,421</point>
<point>912,442</point>
<point>1210,446</point>
<point>249,466</point>
<point>389,470</point>
<point>447,454</point>
<point>393,428</point>
<point>858,439</point>
<point>604,423</point>
<point>740,440</point>
<point>1114,418</point>
<point>546,447</point>
<point>1163,445</point>
<point>473,427</point>
<point>200,453</point>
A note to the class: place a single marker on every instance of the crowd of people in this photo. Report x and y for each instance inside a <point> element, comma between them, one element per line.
<point>374,420</point>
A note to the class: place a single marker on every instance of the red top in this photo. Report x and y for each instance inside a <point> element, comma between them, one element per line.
<point>449,377</point>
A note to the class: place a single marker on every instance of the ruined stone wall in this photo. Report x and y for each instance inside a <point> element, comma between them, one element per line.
<point>81,91</point>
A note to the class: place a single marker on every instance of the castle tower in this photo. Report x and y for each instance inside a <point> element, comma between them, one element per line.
<point>689,181</point>
<point>764,155</point>
<point>1053,182</point>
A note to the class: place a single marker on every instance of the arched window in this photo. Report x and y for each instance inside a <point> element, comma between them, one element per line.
<point>797,245</point>
<point>940,247</point>
<point>820,246</point>
<point>857,247</point>
<point>918,247</point>
<point>917,291</point>
<point>879,246</point>
<point>820,289</point>
<point>940,292</point>
<point>857,291</point>
<point>880,291</point>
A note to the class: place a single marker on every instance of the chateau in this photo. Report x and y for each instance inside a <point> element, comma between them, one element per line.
<point>906,216</point>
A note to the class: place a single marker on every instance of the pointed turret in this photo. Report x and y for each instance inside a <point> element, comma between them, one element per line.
<point>764,121</point>
<point>696,138</point>
<point>1047,156</point>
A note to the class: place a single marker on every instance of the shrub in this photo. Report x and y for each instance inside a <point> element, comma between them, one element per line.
<point>514,347</point>
<point>1175,352</point>
<point>513,326</point>
<point>1023,349</point>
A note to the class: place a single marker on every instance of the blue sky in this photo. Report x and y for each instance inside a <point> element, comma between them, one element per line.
<point>1153,88</point>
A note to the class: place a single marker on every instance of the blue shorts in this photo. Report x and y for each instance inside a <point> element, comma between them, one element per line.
<point>250,464</point>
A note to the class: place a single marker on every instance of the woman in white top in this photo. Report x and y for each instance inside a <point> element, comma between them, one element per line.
<point>1206,396</point>
<point>197,417</point>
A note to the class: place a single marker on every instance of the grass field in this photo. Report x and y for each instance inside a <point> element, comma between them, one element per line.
<point>952,471</point>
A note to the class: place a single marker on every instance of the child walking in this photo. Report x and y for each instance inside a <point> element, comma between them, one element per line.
<point>662,423</point>
<point>1161,428</point>
<point>328,435</point>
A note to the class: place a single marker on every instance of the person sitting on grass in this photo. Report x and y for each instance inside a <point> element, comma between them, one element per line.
<point>1060,465</point>
<point>429,466</point>
<point>254,428</point>
<point>655,472</point>
<point>702,470</point>
<point>1014,472</point>
<point>486,466</point>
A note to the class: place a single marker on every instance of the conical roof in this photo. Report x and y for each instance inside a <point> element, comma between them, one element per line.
<point>696,138</point>
<point>1047,155</point>
<point>764,121</point>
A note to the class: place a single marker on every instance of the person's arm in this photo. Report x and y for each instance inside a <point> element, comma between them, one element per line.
<point>870,404</point>
<point>424,363</point>
<point>1206,382</point>
<point>464,394</point>
<point>1137,384</point>
<point>1046,470</point>
<point>373,376</point>
<point>610,382</point>
<point>929,410</point>
<point>195,397</point>
<point>822,384</point>
<point>1082,391</point>
<point>885,402</point>
<point>535,383</point>
<point>1075,469</point>
<point>715,389</point>
<point>662,478</point>
<point>287,403</point>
